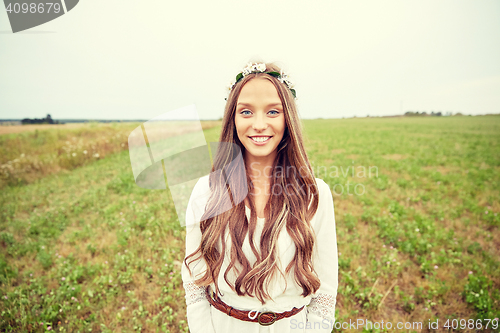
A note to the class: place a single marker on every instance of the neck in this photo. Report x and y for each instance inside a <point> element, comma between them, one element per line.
<point>260,167</point>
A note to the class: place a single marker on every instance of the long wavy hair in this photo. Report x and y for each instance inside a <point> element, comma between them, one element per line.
<point>293,208</point>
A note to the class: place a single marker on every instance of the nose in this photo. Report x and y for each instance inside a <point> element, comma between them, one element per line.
<point>259,123</point>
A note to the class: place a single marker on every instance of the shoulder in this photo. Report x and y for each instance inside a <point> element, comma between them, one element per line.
<point>198,200</point>
<point>320,182</point>
<point>325,209</point>
<point>200,192</point>
<point>324,194</point>
<point>202,185</point>
<point>323,188</point>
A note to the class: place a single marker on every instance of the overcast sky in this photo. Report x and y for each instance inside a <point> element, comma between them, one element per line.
<point>123,59</point>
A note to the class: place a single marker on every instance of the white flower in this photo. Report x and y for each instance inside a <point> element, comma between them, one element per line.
<point>283,76</point>
<point>251,68</point>
<point>85,152</point>
<point>74,154</point>
<point>284,79</point>
<point>248,69</point>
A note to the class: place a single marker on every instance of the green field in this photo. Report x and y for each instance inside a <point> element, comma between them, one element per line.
<point>83,249</point>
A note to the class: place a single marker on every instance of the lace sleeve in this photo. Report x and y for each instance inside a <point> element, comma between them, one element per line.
<point>323,306</point>
<point>194,293</point>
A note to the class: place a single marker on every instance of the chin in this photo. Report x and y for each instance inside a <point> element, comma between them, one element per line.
<point>260,153</point>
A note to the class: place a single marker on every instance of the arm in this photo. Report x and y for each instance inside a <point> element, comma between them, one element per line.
<point>197,306</point>
<point>321,309</point>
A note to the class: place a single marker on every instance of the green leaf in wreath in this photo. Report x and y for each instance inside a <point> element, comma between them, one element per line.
<point>293,93</point>
<point>239,77</point>
<point>275,74</point>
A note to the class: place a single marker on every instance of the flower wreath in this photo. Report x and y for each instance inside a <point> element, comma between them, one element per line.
<point>261,68</point>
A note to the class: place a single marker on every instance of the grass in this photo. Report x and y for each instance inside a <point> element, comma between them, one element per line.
<point>416,203</point>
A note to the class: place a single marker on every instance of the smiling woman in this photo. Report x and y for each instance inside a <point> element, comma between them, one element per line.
<point>269,263</point>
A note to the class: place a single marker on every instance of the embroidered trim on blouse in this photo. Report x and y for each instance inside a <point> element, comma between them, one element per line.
<point>324,306</point>
<point>194,293</point>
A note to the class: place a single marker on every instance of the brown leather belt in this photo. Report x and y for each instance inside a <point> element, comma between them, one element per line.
<point>264,318</point>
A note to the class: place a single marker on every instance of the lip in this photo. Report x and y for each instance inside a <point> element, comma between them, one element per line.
<point>260,143</point>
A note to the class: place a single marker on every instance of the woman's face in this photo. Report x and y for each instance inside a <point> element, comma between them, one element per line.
<point>259,119</point>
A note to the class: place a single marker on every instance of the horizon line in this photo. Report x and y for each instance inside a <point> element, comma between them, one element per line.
<point>219,119</point>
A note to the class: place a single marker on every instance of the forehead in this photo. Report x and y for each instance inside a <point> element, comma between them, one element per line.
<point>259,90</point>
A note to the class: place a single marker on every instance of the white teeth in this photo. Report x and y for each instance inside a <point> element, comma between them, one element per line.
<point>260,138</point>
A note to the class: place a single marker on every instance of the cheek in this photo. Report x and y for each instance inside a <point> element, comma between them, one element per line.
<point>282,126</point>
<point>237,126</point>
<point>240,128</point>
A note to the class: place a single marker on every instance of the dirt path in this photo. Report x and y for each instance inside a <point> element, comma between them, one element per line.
<point>23,128</point>
<point>8,129</point>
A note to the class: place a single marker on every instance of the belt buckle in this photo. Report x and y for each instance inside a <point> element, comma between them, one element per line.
<point>269,323</point>
<point>210,293</point>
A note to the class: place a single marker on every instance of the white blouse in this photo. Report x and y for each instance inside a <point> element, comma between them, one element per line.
<point>319,314</point>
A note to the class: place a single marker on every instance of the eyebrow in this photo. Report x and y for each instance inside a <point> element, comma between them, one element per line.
<point>271,104</point>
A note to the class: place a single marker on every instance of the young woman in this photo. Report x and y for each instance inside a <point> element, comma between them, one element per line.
<point>268,263</point>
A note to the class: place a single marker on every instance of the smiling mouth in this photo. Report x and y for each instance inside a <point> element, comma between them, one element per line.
<point>260,138</point>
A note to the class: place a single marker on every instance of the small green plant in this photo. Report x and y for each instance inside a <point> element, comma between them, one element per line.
<point>92,249</point>
<point>344,263</point>
<point>408,304</point>
<point>474,248</point>
<point>45,259</point>
<point>350,221</point>
<point>477,294</point>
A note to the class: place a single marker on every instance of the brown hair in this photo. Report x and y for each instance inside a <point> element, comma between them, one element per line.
<point>293,211</point>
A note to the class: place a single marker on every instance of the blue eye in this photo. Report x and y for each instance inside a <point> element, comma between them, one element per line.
<point>276,112</point>
<point>245,114</point>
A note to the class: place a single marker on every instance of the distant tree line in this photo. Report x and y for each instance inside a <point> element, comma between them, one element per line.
<point>46,120</point>
<point>423,113</point>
